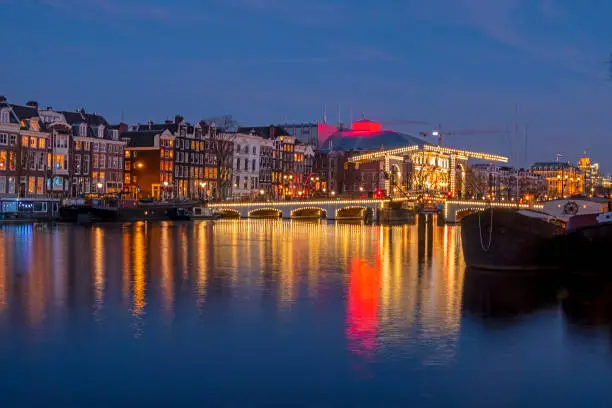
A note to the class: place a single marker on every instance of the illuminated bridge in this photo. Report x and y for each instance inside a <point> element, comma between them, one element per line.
<point>454,210</point>
<point>330,209</point>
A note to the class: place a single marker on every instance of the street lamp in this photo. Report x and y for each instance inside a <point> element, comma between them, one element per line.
<point>333,193</point>
<point>165,195</point>
<point>100,185</point>
<point>140,165</point>
<point>361,189</point>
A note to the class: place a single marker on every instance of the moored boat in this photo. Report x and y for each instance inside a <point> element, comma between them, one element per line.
<point>588,240</point>
<point>205,213</point>
<point>512,240</point>
<point>179,214</point>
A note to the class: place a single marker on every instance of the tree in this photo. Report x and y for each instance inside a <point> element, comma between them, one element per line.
<point>221,150</point>
<point>476,183</point>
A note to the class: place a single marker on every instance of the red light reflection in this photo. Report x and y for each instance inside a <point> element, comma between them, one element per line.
<point>363,301</point>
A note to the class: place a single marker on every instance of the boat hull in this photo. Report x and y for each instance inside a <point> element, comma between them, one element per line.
<point>586,249</point>
<point>515,242</point>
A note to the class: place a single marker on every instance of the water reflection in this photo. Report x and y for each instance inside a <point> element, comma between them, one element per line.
<point>587,306</point>
<point>400,281</point>
<point>505,296</point>
<point>270,302</point>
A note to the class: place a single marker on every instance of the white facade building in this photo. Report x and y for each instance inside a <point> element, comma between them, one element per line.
<point>246,166</point>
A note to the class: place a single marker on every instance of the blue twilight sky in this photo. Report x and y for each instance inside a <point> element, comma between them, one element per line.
<point>465,64</point>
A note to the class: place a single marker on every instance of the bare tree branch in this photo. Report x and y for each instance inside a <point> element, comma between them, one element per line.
<point>221,148</point>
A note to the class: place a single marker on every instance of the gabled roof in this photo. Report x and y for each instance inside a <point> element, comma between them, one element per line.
<point>95,120</point>
<point>267,132</point>
<point>73,117</point>
<point>24,112</point>
<point>552,165</point>
<point>144,138</point>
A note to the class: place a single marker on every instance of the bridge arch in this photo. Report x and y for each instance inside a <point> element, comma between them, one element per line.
<point>229,213</point>
<point>463,212</point>
<point>308,212</point>
<point>352,212</point>
<point>266,212</point>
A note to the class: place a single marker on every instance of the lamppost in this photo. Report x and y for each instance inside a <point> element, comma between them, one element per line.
<point>165,196</point>
<point>100,185</point>
<point>202,190</point>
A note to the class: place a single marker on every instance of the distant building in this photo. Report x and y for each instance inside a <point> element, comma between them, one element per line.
<point>98,154</point>
<point>247,156</point>
<point>507,183</point>
<point>563,179</point>
<point>25,157</point>
<point>149,164</point>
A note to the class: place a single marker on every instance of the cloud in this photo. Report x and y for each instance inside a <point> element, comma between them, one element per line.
<point>534,29</point>
<point>121,10</point>
<point>305,12</point>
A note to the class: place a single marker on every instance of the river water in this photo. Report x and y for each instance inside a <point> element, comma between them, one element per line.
<point>280,313</point>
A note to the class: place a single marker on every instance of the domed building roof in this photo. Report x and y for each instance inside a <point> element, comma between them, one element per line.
<point>367,135</point>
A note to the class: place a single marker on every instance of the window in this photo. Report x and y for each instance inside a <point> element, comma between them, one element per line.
<point>5,116</point>
<point>85,164</point>
<point>3,138</point>
<point>254,150</point>
<point>83,129</point>
<point>3,162</point>
<point>49,161</point>
<point>40,159</point>
<point>12,140</point>
<point>253,165</point>
<point>94,161</point>
<point>103,147</point>
<point>41,143</point>
<point>40,183</point>
<point>237,148</point>
<point>12,160</point>
<point>246,149</point>
<point>101,131</point>
<point>77,163</point>
<point>237,181</point>
<point>246,164</point>
<point>2,184</point>
<point>95,147</point>
<point>11,185</point>
<point>40,207</point>
<point>31,184</point>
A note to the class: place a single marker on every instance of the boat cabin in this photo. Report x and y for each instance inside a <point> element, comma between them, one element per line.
<point>564,209</point>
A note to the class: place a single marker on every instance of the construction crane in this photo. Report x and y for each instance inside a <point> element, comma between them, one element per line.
<point>438,133</point>
<point>396,122</point>
<point>404,122</point>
